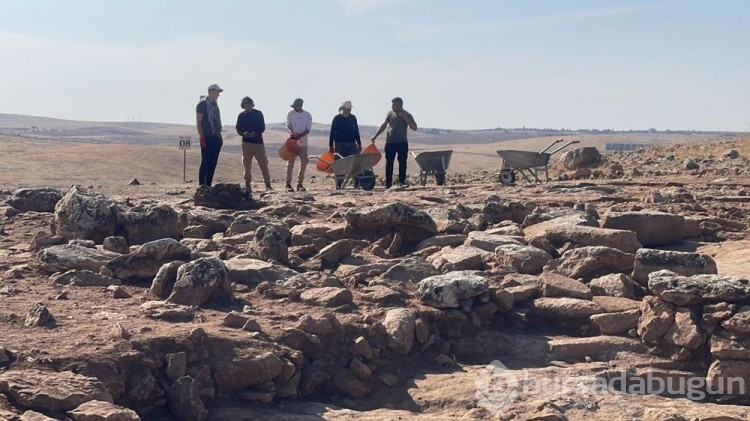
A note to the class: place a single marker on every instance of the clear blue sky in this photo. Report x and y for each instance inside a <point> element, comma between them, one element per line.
<point>675,64</point>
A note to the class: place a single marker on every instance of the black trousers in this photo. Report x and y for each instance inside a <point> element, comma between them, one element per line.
<point>392,151</point>
<point>209,158</point>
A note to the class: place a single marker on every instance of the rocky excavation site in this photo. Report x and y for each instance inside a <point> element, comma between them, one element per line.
<point>571,300</point>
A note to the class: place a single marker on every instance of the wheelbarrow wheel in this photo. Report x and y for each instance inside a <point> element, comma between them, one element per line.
<point>507,176</point>
<point>367,180</point>
<point>440,179</point>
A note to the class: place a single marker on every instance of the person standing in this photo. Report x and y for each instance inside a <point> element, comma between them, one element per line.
<point>208,120</point>
<point>344,139</point>
<point>251,125</point>
<point>396,143</point>
<point>299,123</point>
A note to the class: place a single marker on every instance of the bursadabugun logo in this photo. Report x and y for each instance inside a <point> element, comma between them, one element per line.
<point>497,387</point>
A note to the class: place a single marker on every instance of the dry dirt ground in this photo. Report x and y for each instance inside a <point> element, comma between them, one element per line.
<point>431,390</point>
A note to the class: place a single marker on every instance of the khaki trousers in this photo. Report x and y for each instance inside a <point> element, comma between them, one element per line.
<point>303,160</point>
<point>257,151</point>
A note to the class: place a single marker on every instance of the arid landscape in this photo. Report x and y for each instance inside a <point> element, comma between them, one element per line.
<point>157,300</point>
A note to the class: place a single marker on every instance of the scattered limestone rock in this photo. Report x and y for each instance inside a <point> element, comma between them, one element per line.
<point>400,327</point>
<point>559,234</point>
<point>221,196</point>
<point>84,278</point>
<point>459,258</point>
<point>185,401</point>
<point>525,259</point>
<point>652,228</point>
<point>685,331</point>
<point>145,262</point>
<point>613,285</point>
<point>96,410</point>
<point>42,199</point>
<point>84,213</point>
<point>116,244</point>
<point>151,223</point>
<point>167,311</point>
<point>578,158</point>
<point>200,281</point>
<point>445,291</point>
<point>71,257</point>
<point>165,279</point>
<point>50,391</point>
<point>269,244</point>
<point>327,296</point>
<point>564,308</point>
<point>698,289</point>
<point>591,262</point>
<point>39,316</point>
<point>682,263</point>
<point>413,225</point>
<point>656,318</point>
<point>554,285</point>
<point>616,323</point>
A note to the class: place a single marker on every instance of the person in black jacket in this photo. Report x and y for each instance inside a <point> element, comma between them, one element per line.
<point>251,125</point>
<point>344,139</point>
<point>208,122</point>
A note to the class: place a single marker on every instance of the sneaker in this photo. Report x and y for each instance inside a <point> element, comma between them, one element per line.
<point>248,195</point>
<point>268,187</point>
<point>289,188</point>
<point>300,187</point>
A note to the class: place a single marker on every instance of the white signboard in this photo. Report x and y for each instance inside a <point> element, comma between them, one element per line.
<point>184,142</point>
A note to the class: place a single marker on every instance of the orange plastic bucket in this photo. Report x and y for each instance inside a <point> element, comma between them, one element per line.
<point>324,163</point>
<point>285,154</point>
<point>292,146</point>
<point>372,149</point>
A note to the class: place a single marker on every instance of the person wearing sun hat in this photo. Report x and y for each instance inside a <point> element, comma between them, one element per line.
<point>208,121</point>
<point>299,123</point>
<point>344,138</point>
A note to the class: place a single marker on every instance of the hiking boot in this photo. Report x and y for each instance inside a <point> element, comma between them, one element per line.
<point>248,195</point>
<point>300,187</point>
<point>268,187</point>
<point>289,188</point>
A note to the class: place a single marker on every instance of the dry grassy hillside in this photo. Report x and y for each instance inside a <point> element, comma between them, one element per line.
<point>45,162</point>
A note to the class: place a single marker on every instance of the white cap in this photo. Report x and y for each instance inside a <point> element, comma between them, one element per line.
<point>346,104</point>
<point>215,87</point>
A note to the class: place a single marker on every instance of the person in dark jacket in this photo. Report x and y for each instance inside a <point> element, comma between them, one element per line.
<point>208,121</point>
<point>344,139</point>
<point>251,125</point>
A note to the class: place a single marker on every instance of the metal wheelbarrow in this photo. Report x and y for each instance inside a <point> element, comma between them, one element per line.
<point>433,163</point>
<point>356,168</point>
<point>528,163</point>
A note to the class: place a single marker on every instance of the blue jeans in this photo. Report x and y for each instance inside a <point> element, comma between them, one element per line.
<point>391,151</point>
<point>209,158</point>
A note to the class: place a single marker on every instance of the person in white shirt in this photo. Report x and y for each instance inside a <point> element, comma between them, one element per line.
<point>299,123</point>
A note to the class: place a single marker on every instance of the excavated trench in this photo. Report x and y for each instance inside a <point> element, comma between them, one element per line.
<point>348,360</point>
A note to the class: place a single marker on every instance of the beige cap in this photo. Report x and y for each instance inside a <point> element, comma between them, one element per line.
<point>215,87</point>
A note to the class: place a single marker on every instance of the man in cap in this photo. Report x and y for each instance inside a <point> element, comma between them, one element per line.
<point>299,123</point>
<point>251,125</point>
<point>208,120</point>
<point>397,121</point>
